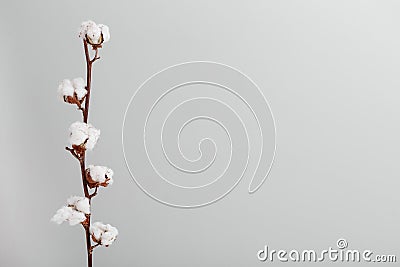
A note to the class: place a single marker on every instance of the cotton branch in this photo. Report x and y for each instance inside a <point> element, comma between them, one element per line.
<point>83,137</point>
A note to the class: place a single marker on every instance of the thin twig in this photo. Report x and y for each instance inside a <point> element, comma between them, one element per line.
<point>79,105</point>
<point>96,56</point>
<point>73,153</point>
<point>93,247</point>
<point>94,193</point>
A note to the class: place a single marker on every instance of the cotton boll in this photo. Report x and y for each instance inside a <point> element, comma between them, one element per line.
<point>72,91</point>
<point>96,231</point>
<point>78,133</point>
<point>66,89</point>
<point>78,126</point>
<point>107,238</point>
<point>62,215</point>
<point>93,135</point>
<point>104,234</point>
<point>105,31</point>
<point>83,206</point>
<point>81,132</point>
<point>98,173</point>
<point>68,214</point>
<point>79,203</point>
<point>84,28</point>
<point>80,93</point>
<point>79,86</point>
<point>78,83</point>
<point>72,200</point>
<point>77,138</point>
<point>99,176</point>
<point>76,217</point>
<point>74,213</point>
<point>94,34</point>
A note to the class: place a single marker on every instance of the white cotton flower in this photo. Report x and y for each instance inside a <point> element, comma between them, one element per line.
<point>105,31</point>
<point>84,28</point>
<point>94,33</point>
<point>74,213</point>
<point>73,90</point>
<point>66,89</point>
<point>78,133</point>
<point>81,132</point>
<point>79,87</point>
<point>76,217</point>
<point>80,93</point>
<point>94,135</point>
<point>103,234</point>
<point>78,83</point>
<point>100,175</point>
<point>62,215</point>
<point>68,214</point>
<point>79,203</point>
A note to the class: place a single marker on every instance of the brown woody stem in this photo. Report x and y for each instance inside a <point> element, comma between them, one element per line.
<point>81,157</point>
<point>89,63</point>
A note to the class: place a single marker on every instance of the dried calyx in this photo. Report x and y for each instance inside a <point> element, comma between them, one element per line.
<point>99,176</point>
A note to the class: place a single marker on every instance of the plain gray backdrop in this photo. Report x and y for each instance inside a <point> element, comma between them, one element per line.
<point>329,69</point>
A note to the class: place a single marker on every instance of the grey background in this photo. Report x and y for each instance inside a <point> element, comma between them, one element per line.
<point>328,68</point>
